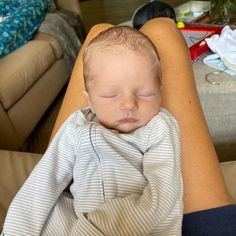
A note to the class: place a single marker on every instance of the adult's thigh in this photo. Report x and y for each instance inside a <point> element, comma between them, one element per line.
<point>204,186</point>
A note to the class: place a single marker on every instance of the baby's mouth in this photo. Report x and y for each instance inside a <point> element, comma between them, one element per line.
<point>127,120</point>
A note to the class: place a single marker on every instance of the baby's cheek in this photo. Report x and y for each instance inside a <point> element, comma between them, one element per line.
<point>107,124</point>
<point>103,118</point>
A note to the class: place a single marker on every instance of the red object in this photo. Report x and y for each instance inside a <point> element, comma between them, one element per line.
<point>200,47</point>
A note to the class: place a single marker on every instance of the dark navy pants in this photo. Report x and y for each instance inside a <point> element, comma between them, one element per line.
<point>219,221</point>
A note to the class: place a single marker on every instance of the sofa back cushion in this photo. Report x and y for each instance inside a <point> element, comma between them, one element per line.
<point>21,70</point>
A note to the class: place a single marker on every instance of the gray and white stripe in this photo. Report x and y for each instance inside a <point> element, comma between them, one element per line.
<point>123,184</point>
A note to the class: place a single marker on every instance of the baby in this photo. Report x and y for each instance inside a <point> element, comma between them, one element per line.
<point>122,153</point>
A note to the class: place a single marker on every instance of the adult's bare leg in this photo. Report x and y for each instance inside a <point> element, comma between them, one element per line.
<point>203,182</point>
<point>74,98</point>
<point>204,186</point>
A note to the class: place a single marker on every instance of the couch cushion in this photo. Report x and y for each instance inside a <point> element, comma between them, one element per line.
<point>53,42</point>
<point>22,68</point>
<point>15,168</point>
<point>218,103</point>
<point>229,172</point>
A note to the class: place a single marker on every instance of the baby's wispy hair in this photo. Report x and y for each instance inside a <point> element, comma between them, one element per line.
<point>123,37</point>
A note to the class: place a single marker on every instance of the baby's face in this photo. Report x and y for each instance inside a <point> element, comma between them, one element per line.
<point>124,92</point>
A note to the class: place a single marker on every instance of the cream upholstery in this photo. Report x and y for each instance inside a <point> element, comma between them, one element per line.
<point>229,172</point>
<point>15,167</point>
<point>31,77</point>
<point>18,79</point>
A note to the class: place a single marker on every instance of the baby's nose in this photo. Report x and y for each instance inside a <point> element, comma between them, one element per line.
<point>129,103</point>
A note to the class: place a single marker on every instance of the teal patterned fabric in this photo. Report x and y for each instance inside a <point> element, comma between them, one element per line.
<point>19,19</point>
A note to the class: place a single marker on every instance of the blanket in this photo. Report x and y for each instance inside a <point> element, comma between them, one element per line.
<point>55,25</point>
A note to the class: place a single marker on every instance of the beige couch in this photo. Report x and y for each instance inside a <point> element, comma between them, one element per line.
<point>30,79</point>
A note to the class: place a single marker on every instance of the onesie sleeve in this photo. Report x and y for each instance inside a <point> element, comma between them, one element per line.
<point>158,210</point>
<point>34,201</point>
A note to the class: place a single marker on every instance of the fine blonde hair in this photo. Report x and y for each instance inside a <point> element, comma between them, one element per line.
<point>120,37</point>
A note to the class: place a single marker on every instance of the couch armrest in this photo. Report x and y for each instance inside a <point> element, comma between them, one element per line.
<point>71,5</point>
<point>9,138</point>
<point>52,41</point>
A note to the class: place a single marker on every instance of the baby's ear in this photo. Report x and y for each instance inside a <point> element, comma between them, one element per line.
<point>86,95</point>
<point>87,98</point>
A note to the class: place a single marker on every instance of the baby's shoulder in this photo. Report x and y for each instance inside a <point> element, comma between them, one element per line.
<point>80,117</point>
<point>164,119</point>
<point>161,124</point>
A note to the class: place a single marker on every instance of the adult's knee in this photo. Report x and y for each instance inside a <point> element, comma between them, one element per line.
<point>160,21</point>
<point>96,29</point>
<point>163,25</point>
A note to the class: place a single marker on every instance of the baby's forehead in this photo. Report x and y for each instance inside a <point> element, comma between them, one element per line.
<point>122,50</point>
<point>143,46</point>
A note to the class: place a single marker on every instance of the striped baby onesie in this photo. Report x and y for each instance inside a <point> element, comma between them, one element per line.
<point>123,184</point>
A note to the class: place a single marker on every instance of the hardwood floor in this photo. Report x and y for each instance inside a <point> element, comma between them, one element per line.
<point>113,11</point>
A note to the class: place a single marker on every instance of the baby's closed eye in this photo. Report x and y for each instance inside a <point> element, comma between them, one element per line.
<point>147,94</point>
<point>111,95</point>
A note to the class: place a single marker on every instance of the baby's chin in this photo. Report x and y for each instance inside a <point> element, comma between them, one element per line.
<point>125,129</point>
